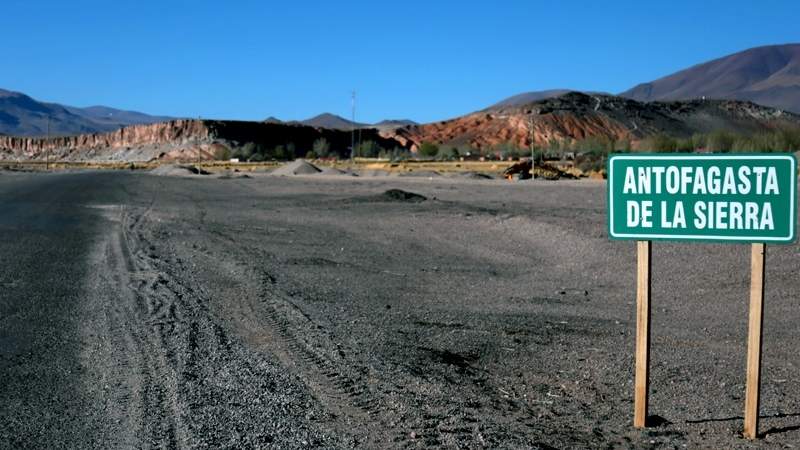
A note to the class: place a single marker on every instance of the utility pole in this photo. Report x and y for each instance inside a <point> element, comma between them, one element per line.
<point>47,150</point>
<point>533,150</point>
<point>353,127</point>
<point>197,141</point>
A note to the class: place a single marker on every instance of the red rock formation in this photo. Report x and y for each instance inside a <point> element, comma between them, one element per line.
<point>173,132</point>
<point>577,116</point>
<point>485,130</point>
<point>179,139</point>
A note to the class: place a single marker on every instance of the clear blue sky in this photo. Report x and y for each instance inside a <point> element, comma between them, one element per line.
<point>424,60</point>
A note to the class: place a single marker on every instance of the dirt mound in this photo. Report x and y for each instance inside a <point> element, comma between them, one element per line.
<point>177,170</point>
<point>233,175</point>
<point>473,176</point>
<point>399,195</point>
<point>297,167</point>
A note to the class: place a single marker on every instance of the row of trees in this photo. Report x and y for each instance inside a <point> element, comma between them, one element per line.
<point>450,152</point>
<point>256,152</point>
<point>778,140</point>
<point>321,148</point>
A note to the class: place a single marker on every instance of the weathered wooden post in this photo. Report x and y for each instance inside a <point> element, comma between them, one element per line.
<point>742,198</point>
<point>753,386</point>
<point>642,377</point>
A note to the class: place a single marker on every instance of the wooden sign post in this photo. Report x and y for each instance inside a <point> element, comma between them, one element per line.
<point>754,340</point>
<point>710,198</point>
<point>642,378</point>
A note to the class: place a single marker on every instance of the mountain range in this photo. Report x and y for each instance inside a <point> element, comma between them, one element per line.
<point>768,76</point>
<point>335,122</point>
<point>21,115</point>
<point>576,116</point>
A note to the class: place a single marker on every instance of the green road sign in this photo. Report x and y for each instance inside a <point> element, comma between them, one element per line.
<point>693,197</point>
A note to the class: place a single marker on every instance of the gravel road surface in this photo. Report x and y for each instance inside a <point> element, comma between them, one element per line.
<point>139,311</point>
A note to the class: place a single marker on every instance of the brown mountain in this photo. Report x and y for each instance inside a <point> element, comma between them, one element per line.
<point>768,76</point>
<point>21,115</point>
<point>534,96</point>
<point>576,116</point>
<point>331,122</point>
<point>334,122</point>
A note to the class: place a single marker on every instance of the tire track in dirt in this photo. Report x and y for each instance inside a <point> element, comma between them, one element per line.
<point>270,322</point>
<point>298,342</point>
<point>340,384</point>
<point>133,278</point>
<point>197,366</point>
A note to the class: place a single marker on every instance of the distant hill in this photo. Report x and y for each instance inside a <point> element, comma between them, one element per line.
<point>331,122</point>
<point>21,115</point>
<point>272,119</point>
<point>577,116</point>
<point>535,96</point>
<point>528,97</point>
<point>394,123</point>
<point>767,75</point>
<point>115,118</point>
<point>334,122</point>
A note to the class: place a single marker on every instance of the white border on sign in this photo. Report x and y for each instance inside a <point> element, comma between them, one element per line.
<point>644,236</point>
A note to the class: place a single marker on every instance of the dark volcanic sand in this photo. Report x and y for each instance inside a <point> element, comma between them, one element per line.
<point>143,311</point>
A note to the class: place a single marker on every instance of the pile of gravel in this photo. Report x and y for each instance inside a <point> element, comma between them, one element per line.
<point>177,170</point>
<point>473,176</point>
<point>297,167</point>
<point>229,175</point>
<point>399,195</point>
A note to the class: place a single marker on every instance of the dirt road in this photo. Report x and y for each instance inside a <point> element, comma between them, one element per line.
<point>167,312</point>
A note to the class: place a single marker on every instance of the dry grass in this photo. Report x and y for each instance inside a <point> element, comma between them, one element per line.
<point>495,168</point>
<point>492,167</point>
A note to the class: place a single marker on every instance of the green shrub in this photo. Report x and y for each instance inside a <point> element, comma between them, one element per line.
<point>221,152</point>
<point>279,153</point>
<point>321,147</point>
<point>428,150</point>
<point>367,149</point>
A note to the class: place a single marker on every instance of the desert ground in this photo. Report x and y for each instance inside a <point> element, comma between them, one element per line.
<point>329,311</point>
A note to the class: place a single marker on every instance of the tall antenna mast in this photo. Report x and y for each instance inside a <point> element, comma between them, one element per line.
<point>353,127</point>
<point>533,147</point>
<point>47,143</point>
